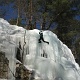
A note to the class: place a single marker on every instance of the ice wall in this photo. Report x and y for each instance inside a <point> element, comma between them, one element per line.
<point>53,61</point>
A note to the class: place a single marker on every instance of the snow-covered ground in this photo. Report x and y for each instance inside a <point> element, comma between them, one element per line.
<point>58,62</point>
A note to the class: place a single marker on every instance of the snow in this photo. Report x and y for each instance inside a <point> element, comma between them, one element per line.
<point>60,63</point>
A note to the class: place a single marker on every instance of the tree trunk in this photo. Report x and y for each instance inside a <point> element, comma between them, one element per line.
<point>18,12</point>
<point>43,27</point>
<point>18,18</point>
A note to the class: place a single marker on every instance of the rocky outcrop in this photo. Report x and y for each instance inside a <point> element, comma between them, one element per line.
<point>4,64</point>
<point>21,72</point>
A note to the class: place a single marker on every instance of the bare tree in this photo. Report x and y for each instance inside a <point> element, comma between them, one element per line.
<point>18,11</point>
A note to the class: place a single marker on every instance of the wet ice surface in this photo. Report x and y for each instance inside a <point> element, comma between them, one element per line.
<point>58,62</point>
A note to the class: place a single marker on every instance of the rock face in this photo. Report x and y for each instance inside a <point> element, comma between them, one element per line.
<point>21,72</point>
<point>4,64</point>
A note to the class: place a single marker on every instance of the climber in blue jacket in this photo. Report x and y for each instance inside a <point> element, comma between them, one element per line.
<point>41,38</point>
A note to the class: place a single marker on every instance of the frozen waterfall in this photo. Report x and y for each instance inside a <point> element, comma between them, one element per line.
<point>53,61</point>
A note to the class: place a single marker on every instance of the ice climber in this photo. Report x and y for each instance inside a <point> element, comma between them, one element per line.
<point>41,38</point>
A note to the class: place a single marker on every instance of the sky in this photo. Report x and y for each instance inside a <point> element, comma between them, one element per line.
<point>10,12</point>
<point>77,17</point>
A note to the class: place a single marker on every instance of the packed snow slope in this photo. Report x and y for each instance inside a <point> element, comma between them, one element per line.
<point>53,61</point>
